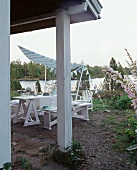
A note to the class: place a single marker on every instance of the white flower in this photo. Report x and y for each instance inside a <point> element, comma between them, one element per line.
<point>116,72</point>
<point>118,81</point>
<point>136,130</point>
<point>120,76</point>
<point>125,77</point>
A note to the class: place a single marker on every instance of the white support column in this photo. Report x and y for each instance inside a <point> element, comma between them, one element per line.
<point>45,78</point>
<point>5,121</point>
<point>64,114</point>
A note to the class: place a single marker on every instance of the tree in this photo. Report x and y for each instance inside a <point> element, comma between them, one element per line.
<point>38,85</point>
<point>96,72</point>
<point>31,70</point>
<point>110,84</point>
<point>106,82</point>
<point>128,71</point>
<point>113,65</point>
<point>122,71</point>
<point>25,70</point>
<point>15,85</point>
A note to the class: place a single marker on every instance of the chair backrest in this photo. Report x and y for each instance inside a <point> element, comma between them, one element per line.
<point>87,95</point>
<point>73,97</point>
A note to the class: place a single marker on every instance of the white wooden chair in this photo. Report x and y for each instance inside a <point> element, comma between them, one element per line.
<point>87,97</point>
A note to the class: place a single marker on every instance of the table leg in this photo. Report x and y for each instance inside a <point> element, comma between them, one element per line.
<point>47,120</point>
<point>31,106</point>
<point>48,123</point>
<point>84,112</point>
<point>81,113</point>
<point>16,119</point>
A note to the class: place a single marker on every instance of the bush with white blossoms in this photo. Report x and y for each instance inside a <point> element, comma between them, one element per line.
<point>129,85</point>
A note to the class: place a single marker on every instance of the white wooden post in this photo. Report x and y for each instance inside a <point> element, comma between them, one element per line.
<point>45,77</point>
<point>5,121</point>
<point>64,115</point>
<point>79,84</point>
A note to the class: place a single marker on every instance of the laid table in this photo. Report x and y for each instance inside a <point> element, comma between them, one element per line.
<point>27,108</point>
<point>28,104</point>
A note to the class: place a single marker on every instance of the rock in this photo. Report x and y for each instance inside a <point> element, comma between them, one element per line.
<point>14,143</point>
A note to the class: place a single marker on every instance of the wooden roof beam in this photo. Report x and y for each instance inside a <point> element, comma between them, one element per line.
<point>34,19</point>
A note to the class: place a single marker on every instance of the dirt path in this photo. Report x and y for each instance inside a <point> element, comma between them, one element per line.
<point>97,141</point>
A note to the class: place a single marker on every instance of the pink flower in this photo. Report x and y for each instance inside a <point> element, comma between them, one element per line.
<point>129,85</point>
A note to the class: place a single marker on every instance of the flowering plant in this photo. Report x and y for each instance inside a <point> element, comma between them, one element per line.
<point>129,85</point>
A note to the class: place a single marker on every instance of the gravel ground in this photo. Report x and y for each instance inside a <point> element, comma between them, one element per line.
<point>96,140</point>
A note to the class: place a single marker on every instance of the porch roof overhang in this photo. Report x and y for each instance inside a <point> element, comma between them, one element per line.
<point>28,15</point>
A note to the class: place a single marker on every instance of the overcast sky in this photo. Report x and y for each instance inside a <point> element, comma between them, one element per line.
<point>94,42</point>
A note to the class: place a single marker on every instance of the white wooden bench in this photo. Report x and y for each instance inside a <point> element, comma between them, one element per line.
<point>87,97</point>
<point>78,111</point>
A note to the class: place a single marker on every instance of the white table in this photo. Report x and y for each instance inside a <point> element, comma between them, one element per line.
<point>26,110</point>
<point>28,105</point>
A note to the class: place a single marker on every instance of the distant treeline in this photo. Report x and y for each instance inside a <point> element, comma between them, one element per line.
<point>31,71</point>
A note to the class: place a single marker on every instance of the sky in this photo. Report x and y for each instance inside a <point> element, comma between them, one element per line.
<point>94,42</point>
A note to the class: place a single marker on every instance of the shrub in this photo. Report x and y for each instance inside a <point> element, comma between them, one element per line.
<point>124,102</point>
<point>72,158</point>
<point>13,93</point>
<point>38,85</point>
<point>22,163</point>
<point>130,131</point>
<point>107,94</point>
<point>15,85</point>
<point>120,102</point>
<point>7,166</point>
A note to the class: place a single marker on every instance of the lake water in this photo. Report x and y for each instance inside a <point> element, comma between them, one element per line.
<point>31,84</point>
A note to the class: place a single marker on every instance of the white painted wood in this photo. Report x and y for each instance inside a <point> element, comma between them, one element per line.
<point>5,115</point>
<point>48,122</point>
<point>64,115</point>
<point>45,73</point>
<point>18,111</point>
<point>80,111</point>
<point>78,8</point>
<point>79,83</point>
<point>31,106</point>
<point>45,77</point>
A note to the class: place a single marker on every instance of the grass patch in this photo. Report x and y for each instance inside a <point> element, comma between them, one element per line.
<point>116,122</point>
<point>100,105</point>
